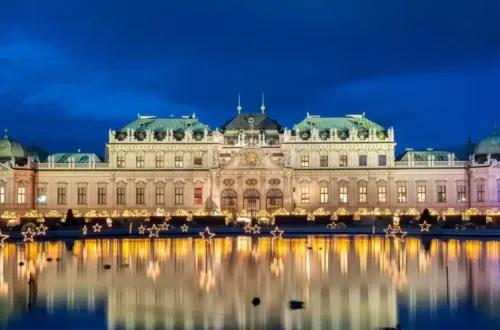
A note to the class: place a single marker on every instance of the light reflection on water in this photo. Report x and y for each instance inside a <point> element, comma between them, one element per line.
<point>346,282</point>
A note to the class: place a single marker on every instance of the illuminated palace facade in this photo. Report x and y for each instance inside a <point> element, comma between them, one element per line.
<point>250,163</point>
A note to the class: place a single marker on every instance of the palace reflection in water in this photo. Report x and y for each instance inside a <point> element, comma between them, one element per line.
<point>355,283</point>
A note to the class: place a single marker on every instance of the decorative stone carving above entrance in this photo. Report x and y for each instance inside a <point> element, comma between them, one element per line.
<point>251,157</point>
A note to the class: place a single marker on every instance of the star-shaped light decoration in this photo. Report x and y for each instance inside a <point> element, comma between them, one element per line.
<point>41,230</point>
<point>424,227</point>
<point>399,235</point>
<point>84,230</point>
<point>153,231</point>
<point>3,238</point>
<point>207,235</point>
<point>97,228</point>
<point>389,232</point>
<point>28,235</point>
<point>256,229</point>
<point>184,228</point>
<point>277,233</point>
<point>332,225</point>
<point>141,229</point>
<point>164,226</point>
<point>248,229</point>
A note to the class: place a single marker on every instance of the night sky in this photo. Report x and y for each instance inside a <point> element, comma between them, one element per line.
<point>70,70</point>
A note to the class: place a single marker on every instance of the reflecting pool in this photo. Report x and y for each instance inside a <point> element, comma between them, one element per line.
<point>360,282</point>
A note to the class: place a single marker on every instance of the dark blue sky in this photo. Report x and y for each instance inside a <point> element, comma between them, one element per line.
<point>70,70</point>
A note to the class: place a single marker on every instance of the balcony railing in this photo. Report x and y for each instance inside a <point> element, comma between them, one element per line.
<point>431,164</point>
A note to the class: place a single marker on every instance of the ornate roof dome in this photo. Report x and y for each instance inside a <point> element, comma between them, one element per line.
<point>489,145</point>
<point>10,148</point>
<point>38,154</point>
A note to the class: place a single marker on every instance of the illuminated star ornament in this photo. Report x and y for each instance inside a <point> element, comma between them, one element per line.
<point>41,230</point>
<point>277,233</point>
<point>332,225</point>
<point>248,229</point>
<point>28,235</point>
<point>3,238</point>
<point>97,228</point>
<point>256,229</point>
<point>84,230</point>
<point>207,235</point>
<point>153,231</point>
<point>142,230</point>
<point>389,232</point>
<point>424,226</point>
<point>164,226</point>
<point>184,228</point>
<point>399,235</point>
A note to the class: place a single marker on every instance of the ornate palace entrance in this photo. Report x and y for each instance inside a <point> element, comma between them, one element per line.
<point>251,201</point>
<point>229,200</point>
<point>274,200</point>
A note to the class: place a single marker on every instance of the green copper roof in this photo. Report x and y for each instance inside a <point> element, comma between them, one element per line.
<point>10,148</point>
<point>340,123</point>
<point>241,121</point>
<point>80,157</point>
<point>490,145</point>
<point>164,124</point>
<point>420,156</point>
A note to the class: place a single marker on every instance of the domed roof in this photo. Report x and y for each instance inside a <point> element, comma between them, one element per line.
<point>10,148</point>
<point>38,154</point>
<point>490,145</point>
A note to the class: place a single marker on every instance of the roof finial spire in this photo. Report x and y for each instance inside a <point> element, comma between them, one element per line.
<point>239,103</point>
<point>6,136</point>
<point>263,107</point>
<point>495,129</point>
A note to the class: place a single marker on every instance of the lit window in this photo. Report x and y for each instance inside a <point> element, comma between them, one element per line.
<point>120,161</point>
<point>461,197</point>
<point>139,161</point>
<point>323,195</point>
<point>480,193</point>
<point>139,195</point>
<point>2,195</point>
<point>198,161</point>
<point>42,196</point>
<point>198,195</point>
<point>441,194</point>
<point>179,196</point>
<point>421,194</point>
<point>343,160</point>
<point>160,161</point>
<point>363,194</point>
<point>363,160</point>
<point>382,160</point>
<point>21,195</point>
<point>304,160</point>
<point>101,196</point>
<point>304,195</point>
<point>120,195</point>
<point>343,195</point>
<point>179,162</point>
<point>160,195</point>
<point>323,161</point>
<point>401,194</point>
<point>82,195</point>
<point>61,196</point>
<point>382,194</point>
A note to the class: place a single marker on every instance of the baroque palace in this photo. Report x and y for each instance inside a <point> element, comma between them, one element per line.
<point>250,163</point>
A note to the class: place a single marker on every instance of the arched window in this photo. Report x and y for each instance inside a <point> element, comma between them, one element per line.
<point>251,201</point>
<point>229,200</point>
<point>274,200</point>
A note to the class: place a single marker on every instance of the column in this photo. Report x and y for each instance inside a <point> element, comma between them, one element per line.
<point>334,193</point>
<point>150,193</point>
<point>111,194</point>
<point>169,193</point>
<point>130,197</point>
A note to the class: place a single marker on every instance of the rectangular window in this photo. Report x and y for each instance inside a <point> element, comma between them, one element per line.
<point>179,196</point>
<point>101,196</point>
<point>42,196</point>
<point>480,193</point>
<point>21,195</point>
<point>179,163</point>
<point>120,195</point>
<point>160,161</point>
<point>382,160</point>
<point>139,195</point>
<point>363,193</point>
<point>139,161</point>
<point>120,161</point>
<point>61,196</point>
<point>2,195</point>
<point>441,194</point>
<point>198,195</point>
<point>461,197</point>
<point>304,161</point>
<point>363,160</point>
<point>382,194</point>
<point>401,194</point>
<point>421,194</point>
<point>343,160</point>
<point>304,195</point>
<point>323,195</point>
<point>160,195</point>
<point>198,161</point>
<point>82,195</point>
<point>323,161</point>
<point>343,195</point>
